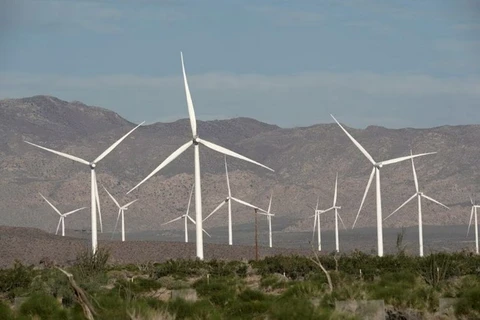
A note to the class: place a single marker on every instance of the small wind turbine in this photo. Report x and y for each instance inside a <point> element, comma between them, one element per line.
<point>227,200</point>
<point>376,172</point>
<point>472,213</point>
<point>269,219</point>
<point>186,217</point>
<point>419,196</point>
<point>316,224</point>
<point>62,215</point>
<point>195,142</point>
<point>337,215</point>
<point>121,212</point>
<point>94,188</point>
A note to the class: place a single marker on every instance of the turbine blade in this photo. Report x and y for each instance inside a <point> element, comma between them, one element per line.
<point>216,209</point>
<point>341,220</point>
<point>69,213</point>
<point>414,173</point>
<point>114,200</point>
<point>228,180</point>
<point>68,156</point>
<point>437,202</point>
<point>191,111</point>
<point>190,218</point>
<point>270,203</point>
<point>190,199</point>
<point>355,142</point>
<point>169,159</point>
<point>387,162</point>
<point>58,226</point>
<point>173,220</point>
<point>364,195</point>
<point>116,223</point>
<point>130,203</point>
<point>470,223</point>
<point>318,200</point>
<point>248,204</point>
<point>207,233</point>
<point>97,200</point>
<point>223,150</point>
<point>335,194</point>
<point>471,200</point>
<point>409,199</point>
<point>113,146</point>
<point>51,205</point>
<point>314,226</point>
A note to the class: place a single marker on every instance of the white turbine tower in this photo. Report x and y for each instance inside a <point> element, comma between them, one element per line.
<point>62,215</point>
<point>473,212</point>
<point>419,196</point>
<point>121,212</point>
<point>94,189</point>
<point>228,200</point>
<point>376,172</point>
<point>195,142</point>
<point>316,224</point>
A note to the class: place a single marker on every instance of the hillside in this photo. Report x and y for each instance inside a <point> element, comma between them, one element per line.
<point>305,160</point>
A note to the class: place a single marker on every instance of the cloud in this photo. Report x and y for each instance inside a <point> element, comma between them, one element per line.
<point>360,98</point>
<point>95,16</point>
<point>288,16</point>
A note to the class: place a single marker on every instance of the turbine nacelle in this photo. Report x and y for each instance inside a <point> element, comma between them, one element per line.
<point>378,165</point>
<point>92,165</point>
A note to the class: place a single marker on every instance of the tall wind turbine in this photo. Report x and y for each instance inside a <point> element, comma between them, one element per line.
<point>121,212</point>
<point>419,196</point>
<point>186,217</point>
<point>472,213</point>
<point>229,200</point>
<point>376,172</point>
<point>94,188</point>
<point>62,215</point>
<point>195,142</point>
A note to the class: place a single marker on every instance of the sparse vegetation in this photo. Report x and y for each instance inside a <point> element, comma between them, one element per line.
<point>279,287</point>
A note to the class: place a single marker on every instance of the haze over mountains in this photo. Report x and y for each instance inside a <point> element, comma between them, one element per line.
<point>305,161</point>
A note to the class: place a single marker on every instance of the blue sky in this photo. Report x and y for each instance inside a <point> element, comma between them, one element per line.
<point>291,63</point>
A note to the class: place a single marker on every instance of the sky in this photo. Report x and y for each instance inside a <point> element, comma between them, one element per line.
<point>292,63</point>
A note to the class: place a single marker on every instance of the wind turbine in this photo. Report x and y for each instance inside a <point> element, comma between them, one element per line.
<point>121,212</point>
<point>62,215</point>
<point>376,172</point>
<point>228,200</point>
<point>316,224</point>
<point>186,217</point>
<point>269,219</point>
<point>94,188</point>
<point>337,215</point>
<point>419,196</point>
<point>195,142</point>
<point>472,213</point>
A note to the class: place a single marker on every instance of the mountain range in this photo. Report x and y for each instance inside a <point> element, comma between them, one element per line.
<point>305,160</point>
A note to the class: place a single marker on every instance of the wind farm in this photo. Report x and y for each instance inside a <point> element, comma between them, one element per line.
<point>231,151</point>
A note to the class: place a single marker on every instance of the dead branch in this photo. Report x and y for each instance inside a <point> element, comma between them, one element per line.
<point>80,296</point>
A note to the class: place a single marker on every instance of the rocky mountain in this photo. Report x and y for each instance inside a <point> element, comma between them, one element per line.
<point>305,162</point>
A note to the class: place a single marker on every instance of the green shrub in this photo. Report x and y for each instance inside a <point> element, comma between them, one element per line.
<point>43,306</point>
<point>19,276</point>
<point>5,311</point>
<point>89,264</point>
<point>468,304</point>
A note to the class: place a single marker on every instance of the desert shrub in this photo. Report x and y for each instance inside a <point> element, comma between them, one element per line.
<point>110,305</point>
<point>5,311</point>
<point>88,264</point>
<point>296,308</point>
<point>273,281</point>
<point>222,268</point>
<point>219,291</point>
<point>198,310</point>
<point>43,306</point>
<point>18,277</point>
<point>294,267</point>
<point>180,268</point>
<point>468,305</point>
